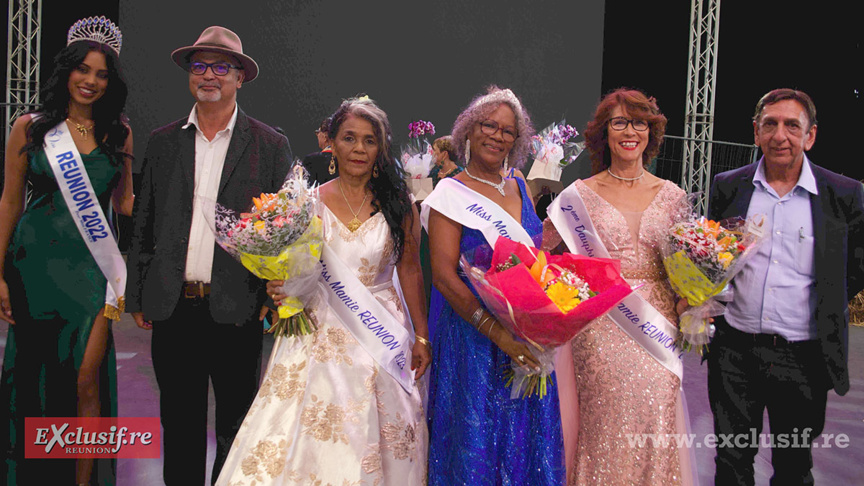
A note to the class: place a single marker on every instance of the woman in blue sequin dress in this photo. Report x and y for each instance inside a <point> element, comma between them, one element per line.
<point>478,434</point>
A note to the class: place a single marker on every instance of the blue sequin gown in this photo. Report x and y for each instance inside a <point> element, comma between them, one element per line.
<point>478,434</point>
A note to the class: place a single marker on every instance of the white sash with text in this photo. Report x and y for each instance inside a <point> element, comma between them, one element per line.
<point>83,204</point>
<point>636,317</point>
<point>385,339</point>
<point>472,210</point>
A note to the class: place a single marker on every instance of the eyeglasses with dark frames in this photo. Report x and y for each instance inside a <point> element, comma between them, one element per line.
<point>490,127</point>
<point>218,68</point>
<point>619,123</point>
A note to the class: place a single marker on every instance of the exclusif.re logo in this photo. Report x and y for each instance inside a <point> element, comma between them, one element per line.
<point>91,437</point>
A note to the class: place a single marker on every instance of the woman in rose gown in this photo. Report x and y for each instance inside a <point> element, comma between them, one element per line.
<point>620,389</point>
<point>327,413</point>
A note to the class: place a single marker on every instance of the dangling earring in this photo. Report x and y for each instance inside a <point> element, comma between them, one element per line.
<point>467,152</point>
<point>332,168</point>
<point>375,171</point>
<point>506,162</point>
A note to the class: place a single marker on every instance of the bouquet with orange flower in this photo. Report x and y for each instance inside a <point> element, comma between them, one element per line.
<point>279,238</point>
<point>545,300</point>
<point>701,256</point>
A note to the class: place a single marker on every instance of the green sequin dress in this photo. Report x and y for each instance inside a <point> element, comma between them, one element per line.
<point>57,290</point>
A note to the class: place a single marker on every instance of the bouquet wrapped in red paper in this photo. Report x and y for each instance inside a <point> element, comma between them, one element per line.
<point>545,300</point>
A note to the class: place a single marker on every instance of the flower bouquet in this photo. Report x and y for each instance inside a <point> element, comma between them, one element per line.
<point>280,238</point>
<point>417,159</point>
<point>553,150</point>
<point>543,299</point>
<point>701,256</point>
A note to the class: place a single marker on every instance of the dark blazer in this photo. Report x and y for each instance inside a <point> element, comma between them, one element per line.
<point>838,224</point>
<point>257,161</point>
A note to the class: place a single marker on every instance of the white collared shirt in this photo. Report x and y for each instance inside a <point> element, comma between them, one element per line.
<point>209,160</point>
<point>774,291</point>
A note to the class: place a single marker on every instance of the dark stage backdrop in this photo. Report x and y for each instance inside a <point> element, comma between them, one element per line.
<point>418,60</point>
<point>803,44</point>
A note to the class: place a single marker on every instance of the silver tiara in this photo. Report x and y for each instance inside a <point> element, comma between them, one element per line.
<point>97,29</point>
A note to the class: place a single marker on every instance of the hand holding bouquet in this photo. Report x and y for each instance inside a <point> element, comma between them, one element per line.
<point>544,300</point>
<point>280,238</point>
<point>701,257</point>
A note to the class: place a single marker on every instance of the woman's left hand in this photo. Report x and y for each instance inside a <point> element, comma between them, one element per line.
<point>421,358</point>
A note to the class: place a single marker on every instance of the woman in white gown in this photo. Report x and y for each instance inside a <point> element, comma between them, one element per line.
<point>327,411</point>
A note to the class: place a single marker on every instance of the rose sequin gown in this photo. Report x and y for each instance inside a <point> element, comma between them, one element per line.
<point>621,389</point>
<point>326,412</point>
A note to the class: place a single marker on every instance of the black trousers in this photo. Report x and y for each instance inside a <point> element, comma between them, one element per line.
<point>748,373</point>
<point>189,350</point>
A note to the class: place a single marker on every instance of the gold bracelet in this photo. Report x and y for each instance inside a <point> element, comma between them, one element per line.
<point>423,340</point>
<point>479,326</point>
<point>489,331</point>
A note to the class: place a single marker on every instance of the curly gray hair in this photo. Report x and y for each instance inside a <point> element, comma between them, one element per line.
<point>480,108</point>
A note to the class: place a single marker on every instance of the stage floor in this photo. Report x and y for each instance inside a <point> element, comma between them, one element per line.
<point>835,465</point>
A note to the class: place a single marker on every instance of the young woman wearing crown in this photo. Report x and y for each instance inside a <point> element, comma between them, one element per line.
<point>61,274</point>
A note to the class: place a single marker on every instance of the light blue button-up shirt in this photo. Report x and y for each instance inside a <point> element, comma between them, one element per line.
<point>774,292</point>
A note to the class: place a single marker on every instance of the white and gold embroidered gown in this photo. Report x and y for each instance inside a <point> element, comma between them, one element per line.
<point>326,413</point>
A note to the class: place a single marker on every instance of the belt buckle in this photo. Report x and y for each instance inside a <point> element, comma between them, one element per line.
<point>191,292</point>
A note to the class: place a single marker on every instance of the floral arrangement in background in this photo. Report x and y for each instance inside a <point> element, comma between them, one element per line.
<point>417,159</point>
<point>420,128</point>
<point>553,144</point>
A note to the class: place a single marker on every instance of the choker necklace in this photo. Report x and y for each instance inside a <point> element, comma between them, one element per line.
<point>355,223</point>
<point>625,179</point>
<point>83,130</point>
<point>499,186</point>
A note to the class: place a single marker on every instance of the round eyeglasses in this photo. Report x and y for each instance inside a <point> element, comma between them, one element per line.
<point>619,123</point>
<point>490,127</point>
<point>218,68</point>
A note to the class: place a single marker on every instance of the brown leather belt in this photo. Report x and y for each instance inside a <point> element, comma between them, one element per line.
<point>195,290</point>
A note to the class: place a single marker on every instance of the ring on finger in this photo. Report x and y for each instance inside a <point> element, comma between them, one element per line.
<point>521,358</point>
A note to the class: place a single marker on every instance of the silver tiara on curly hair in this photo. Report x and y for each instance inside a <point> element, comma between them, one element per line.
<point>97,29</point>
<point>500,96</point>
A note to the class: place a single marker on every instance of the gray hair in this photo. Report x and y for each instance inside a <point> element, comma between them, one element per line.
<point>480,108</point>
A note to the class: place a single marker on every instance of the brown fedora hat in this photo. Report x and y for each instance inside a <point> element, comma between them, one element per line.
<point>218,39</point>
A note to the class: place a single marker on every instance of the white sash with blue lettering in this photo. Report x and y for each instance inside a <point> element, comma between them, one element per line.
<point>636,317</point>
<point>83,204</point>
<point>387,341</point>
<point>472,210</point>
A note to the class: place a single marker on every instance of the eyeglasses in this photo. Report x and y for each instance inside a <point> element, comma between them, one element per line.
<point>218,68</point>
<point>490,127</point>
<point>619,123</point>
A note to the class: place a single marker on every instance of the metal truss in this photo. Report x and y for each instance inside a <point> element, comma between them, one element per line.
<point>22,68</point>
<point>699,116</point>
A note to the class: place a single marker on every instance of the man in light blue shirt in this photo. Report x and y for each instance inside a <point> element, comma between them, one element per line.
<point>783,341</point>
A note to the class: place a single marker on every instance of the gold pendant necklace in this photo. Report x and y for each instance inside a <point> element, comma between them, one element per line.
<point>82,129</point>
<point>355,223</point>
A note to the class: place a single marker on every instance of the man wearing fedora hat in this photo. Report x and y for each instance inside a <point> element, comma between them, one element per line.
<point>201,304</point>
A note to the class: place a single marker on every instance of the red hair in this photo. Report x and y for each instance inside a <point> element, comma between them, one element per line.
<point>637,105</point>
